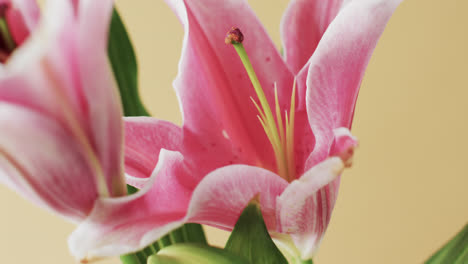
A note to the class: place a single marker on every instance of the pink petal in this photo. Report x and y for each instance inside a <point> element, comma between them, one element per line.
<point>222,195</point>
<point>305,207</point>
<point>49,167</point>
<point>126,224</point>
<point>22,18</point>
<point>343,146</point>
<point>52,79</point>
<point>304,141</point>
<point>141,219</point>
<point>335,74</point>
<point>32,64</point>
<point>301,213</point>
<point>302,27</point>
<point>100,89</point>
<point>337,67</point>
<point>30,12</point>
<point>214,89</point>
<point>46,67</point>
<point>144,139</point>
<point>70,74</point>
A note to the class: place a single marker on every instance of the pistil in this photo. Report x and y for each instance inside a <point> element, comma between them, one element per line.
<point>279,133</point>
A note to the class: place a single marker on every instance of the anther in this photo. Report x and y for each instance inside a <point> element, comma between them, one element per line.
<point>234,36</point>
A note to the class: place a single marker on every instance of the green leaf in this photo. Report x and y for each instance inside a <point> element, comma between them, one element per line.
<point>133,258</point>
<point>124,65</point>
<point>194,233</point>
<point>194,254</point>
<point>131,189</point>
<point>251,240</point>
<point>454,252</point>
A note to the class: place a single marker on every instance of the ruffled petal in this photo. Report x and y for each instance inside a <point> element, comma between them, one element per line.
<point>141,219</point>
<point>49,166</point>
<point>144,139</point>
<point>219,117</point>
<point>305,207</point>
<point>301,213</point>
<point>222,195</point>
<point>120,225</point>
<point>343,146</point>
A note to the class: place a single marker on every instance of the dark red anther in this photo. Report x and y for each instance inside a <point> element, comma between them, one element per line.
<point>234,36</point>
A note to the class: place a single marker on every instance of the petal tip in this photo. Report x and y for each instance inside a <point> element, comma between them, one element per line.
<point>344,145</point>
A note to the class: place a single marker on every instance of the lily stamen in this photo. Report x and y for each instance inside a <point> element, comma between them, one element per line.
<point>279,133</point>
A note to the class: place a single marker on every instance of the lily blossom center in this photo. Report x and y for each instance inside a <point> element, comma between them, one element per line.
<point>280,132</point>
<point>7,43</point>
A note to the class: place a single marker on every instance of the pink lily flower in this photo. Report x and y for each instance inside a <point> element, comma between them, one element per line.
<point>208,170</point>
<point>61,135</point>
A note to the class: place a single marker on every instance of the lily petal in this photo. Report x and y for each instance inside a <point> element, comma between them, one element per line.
<point>305,207</point>
<point>343,146</point>
<point>52,88</point>
<point>219,116</point>
<point>144,139</point>
<point>99,85</point>
<point>49,168</point>
<point>120,225</point>
<point>302,27</point>
<point>22,18</point>
<point>222,195</point>
<point>301,213</point>
<point>143,218</point>
<point>337,68</point>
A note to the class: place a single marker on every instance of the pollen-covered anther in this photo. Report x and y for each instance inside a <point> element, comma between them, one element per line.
<point>234,36</point>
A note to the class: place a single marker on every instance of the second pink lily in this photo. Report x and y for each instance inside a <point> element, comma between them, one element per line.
<point>208,170</point>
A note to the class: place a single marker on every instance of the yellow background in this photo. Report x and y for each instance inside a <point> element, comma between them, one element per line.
<point>407,192</point>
